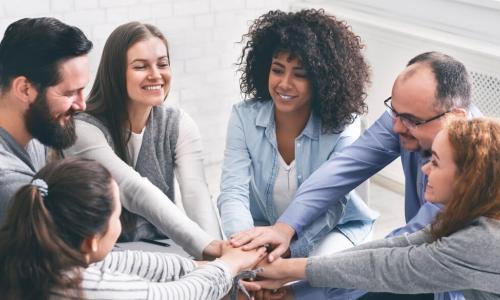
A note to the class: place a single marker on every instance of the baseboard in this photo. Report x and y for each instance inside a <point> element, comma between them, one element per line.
<point>388,183</point>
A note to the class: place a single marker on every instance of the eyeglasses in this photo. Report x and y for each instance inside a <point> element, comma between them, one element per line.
<point>408,121</point>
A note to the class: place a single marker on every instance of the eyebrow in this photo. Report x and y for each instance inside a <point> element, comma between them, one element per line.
<point>281,65</point>
<point>145,60</point>
<point>435,154</point>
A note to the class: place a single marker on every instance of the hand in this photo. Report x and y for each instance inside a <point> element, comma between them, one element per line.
<point>238,259</point>
<point>279,236</point>
<point>213,250</point>
<point>279,272</point>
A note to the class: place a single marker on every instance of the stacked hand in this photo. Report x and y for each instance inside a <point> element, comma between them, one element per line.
<point>277,236</point>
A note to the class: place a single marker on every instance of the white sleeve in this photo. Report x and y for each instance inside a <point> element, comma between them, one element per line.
<point>190,174</point>
<point>137,193</point>
<point>146,275</point>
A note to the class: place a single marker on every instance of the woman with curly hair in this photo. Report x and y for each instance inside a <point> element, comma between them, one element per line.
<point>306,79</point>
<point>458,251</point>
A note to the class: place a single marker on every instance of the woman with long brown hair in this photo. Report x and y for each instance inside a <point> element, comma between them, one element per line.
<point>58,235</point>
<point>459,251</point>
<point>146,143</point>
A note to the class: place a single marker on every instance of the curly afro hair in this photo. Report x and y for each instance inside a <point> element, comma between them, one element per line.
<point>327,49</point>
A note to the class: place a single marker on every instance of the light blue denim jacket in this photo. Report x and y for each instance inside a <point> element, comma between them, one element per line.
<point>249,172</point>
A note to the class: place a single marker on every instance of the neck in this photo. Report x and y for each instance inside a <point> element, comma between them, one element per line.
<point>12,121</point>
<point>138,116</point>
<point>293,123</point>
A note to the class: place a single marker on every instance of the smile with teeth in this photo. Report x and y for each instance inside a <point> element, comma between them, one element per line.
<point>285,97</point>
<point>152,87</point>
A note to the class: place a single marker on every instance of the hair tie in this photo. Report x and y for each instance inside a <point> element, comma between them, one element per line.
<point>42,186</point>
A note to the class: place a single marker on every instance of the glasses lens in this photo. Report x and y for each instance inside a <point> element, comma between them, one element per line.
<point>407,122</point>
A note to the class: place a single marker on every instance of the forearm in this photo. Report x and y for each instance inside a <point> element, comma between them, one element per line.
<point>190,173</point>
<point>235,214</point>
<point>394,270</point>
<point>159,267</point>
<point>209,281</point>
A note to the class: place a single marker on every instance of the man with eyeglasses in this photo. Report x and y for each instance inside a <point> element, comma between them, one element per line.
<point>432,87</point>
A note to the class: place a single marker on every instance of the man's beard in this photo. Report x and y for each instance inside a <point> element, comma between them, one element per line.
<point>46,129</point>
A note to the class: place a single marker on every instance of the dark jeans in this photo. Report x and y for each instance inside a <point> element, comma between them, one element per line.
<point>388,296</point>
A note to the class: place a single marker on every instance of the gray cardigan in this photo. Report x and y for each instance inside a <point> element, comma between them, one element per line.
<point>467,260</point>
<point>148,190</point>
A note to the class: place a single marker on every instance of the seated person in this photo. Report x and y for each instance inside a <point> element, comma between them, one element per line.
<point>301,115</point>
<point>58,235</point>
<point>142,141</point>
<point>459,251</point>
<point>43,71</point>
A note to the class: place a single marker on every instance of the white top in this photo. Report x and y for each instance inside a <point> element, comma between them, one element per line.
<point>142,197</point>
<point>148,275</point>
<point>134,145</point>
<point>285,185</point>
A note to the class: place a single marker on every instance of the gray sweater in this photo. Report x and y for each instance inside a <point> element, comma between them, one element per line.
<point>17,166</point>
<point>467,260</point>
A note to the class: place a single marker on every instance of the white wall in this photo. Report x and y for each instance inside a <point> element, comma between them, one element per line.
<point>203,35</point>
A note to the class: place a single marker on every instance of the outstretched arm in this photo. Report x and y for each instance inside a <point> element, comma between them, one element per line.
<point>138,194</point>
<point>190,173</point>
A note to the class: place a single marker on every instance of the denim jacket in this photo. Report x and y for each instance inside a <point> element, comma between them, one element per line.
<point>251,164</point>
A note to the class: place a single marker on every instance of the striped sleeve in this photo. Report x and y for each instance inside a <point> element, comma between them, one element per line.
<point>145,275</point>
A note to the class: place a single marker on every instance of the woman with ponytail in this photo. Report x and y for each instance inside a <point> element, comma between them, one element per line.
<point>57,238</point>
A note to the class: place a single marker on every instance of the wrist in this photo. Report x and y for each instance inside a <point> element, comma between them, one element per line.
<point>285,230</point>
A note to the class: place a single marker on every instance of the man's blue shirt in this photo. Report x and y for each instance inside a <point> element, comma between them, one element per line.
<point>378,146</point>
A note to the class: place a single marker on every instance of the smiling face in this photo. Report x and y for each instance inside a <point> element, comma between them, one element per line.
<point>414,94</point>
<point>441,170</point>
<point>288,85</point>
<point>148,73</point>
<point>50,118</point>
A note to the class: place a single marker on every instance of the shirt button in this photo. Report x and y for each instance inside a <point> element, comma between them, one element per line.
<point>298,144</point>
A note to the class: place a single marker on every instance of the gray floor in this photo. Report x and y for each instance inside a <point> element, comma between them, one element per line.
<point>390,205</point>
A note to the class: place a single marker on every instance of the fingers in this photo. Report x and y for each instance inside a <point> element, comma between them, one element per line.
<point>250,286</point>
<point>243,237</point>
<point>277,252</point>
<point>258,241</point>
<point>268,284</point>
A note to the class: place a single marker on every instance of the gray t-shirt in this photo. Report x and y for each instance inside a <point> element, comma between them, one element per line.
<point>17,166</point>
<point>467,260</point>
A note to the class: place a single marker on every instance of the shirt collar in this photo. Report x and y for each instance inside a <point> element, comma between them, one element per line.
<point>265,118</point>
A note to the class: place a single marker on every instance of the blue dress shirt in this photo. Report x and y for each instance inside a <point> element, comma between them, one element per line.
<point>378,146</point>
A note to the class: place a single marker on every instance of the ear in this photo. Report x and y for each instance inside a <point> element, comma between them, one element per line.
<point>23,89</point>
<point>459,112</point>
<point>90,244</point>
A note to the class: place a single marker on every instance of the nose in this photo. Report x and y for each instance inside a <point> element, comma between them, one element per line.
<point>398,126</point>
<point>154,73</point>
<point>285,81</point>
<point>79,104</point>
<point>426,168</point>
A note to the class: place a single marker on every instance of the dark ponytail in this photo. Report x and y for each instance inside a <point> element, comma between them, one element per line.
<point>41,238</point>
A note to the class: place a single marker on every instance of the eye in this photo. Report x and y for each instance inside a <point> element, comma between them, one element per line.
<point>301,74</point>
<point>276,70</point>
<point>163,64</point>
<point>139,67</point>
<point>434,162</point>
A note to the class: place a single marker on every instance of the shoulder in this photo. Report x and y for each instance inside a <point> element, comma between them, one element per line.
<point>252,106</point>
